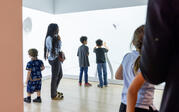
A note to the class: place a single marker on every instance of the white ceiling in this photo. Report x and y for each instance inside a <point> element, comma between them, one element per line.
<point>67,6</point>
<point>42,5</point>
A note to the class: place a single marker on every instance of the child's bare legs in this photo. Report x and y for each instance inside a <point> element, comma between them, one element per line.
<point>28,94</point>
<point>38,93</point>
<point>38,99</point>
<point>28,98</point>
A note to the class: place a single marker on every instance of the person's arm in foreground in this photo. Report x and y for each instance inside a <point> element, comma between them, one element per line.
<point>133,91</point>
<point>119,74</point>
<point>157,43</point>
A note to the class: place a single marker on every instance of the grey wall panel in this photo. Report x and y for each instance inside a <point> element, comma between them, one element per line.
<point>67,6</point>
<point>42,5</point>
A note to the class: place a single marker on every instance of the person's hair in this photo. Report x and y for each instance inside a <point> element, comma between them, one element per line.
<point>51,31</point>
<point>83,38</point>
<point>99,42</point>
<point>33,52</point>
<point>137,42</point>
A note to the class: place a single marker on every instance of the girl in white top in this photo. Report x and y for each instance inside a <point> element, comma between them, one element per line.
<point>141,101</point>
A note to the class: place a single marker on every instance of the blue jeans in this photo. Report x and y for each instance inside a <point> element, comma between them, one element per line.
<point>100,67</point>
<point>85,70</point>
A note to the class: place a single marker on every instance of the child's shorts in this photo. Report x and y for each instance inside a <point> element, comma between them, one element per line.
<point>34,86</point>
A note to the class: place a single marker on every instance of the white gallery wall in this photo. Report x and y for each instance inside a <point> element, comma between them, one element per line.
<point>114,26</point>
<point>35,38</point>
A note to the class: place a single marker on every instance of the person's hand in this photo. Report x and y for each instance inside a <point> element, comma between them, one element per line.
<point>26,81</point>
<point>47,54</point>
<point>59,38</point>
<point>104,44</point>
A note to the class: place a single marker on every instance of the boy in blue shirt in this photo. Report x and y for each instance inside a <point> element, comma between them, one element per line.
<point>34,76</point>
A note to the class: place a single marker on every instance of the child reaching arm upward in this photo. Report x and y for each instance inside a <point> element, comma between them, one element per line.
<point>101,62</point>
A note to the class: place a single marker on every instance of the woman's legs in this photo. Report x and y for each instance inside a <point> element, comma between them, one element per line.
<point>55,77</point>
<point>60,74</point>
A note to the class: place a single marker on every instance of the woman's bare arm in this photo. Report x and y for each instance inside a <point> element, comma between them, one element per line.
<point>133,91</point>
<point>119,74</point>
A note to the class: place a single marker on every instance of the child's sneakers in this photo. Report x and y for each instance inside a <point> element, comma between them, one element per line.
<point>87,85</point>
<point>37,100</point>
<point>27,100</point>
<point>80,83</point>
<point>99,86</point>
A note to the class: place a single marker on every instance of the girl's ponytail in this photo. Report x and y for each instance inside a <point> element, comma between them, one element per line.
<point>137,42</point>
<point>136,65</point>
